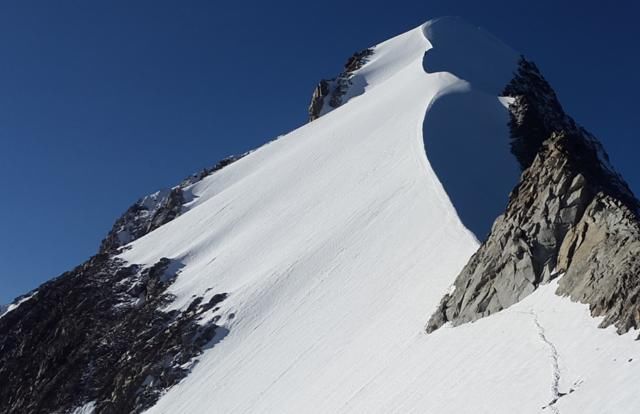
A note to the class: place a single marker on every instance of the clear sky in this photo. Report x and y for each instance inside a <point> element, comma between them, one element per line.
<point>103,102</point>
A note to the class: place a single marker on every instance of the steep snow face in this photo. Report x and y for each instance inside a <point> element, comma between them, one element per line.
<point>464,130</point>
<point>335,243</point>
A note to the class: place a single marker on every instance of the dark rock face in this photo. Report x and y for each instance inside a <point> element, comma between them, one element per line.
<point>521,250</point>
<point>600,259</point>
<point>535,114</point>
<point>335,89</point>
<point>98,333</point>
<point>322,90</point>
<point>570,214</point>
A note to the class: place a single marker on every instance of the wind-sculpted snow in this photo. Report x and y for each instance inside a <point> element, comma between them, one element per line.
<point>469,53</point>
<point>465,129</point>
<point>471,121</point>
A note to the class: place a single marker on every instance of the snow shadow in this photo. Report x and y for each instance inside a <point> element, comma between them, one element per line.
<point>221,333</point>
<point>469,53</point>
<point>467,144</point>
<point>173,270</point>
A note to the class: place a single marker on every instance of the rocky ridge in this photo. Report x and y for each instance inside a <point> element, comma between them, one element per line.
<point>99,334</point>
<point>154,210</point>
<point>571,216</point>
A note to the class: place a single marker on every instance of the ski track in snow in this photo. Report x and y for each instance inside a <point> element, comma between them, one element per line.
<point>554,355</point>
<point>555,379</point>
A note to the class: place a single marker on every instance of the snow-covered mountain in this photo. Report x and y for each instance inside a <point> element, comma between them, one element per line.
<point>439,187</point>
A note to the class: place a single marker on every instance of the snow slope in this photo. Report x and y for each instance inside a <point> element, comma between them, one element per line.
<point>337,241</point>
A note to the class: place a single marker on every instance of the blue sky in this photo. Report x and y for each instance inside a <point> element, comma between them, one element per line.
<point>103,102</point>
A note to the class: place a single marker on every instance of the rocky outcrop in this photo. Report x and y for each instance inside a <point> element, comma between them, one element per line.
<point>329,93</point>
<point>208,171</point>
<point>321,91</point>
<point>99,334</point>
<point>521,251</point>
<point>600,260</point>
<point>570,215</point>
<point>535,113</point>
<point>155,210</point>
<point>144,216</point>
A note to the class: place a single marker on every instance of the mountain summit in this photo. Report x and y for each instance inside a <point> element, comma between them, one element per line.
<point>440,237</point>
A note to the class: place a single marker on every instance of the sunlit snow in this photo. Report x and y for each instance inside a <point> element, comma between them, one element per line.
<point>337,241</point>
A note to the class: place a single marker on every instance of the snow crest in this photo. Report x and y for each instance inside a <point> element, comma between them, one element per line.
<point>336,241</point>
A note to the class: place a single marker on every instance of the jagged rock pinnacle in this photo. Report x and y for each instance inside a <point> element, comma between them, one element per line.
<point>570,215</point>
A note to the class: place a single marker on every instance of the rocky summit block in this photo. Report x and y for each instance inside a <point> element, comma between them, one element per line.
<point>329,93</point>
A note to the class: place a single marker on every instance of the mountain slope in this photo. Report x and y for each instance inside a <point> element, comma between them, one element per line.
<point>321,255</point>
